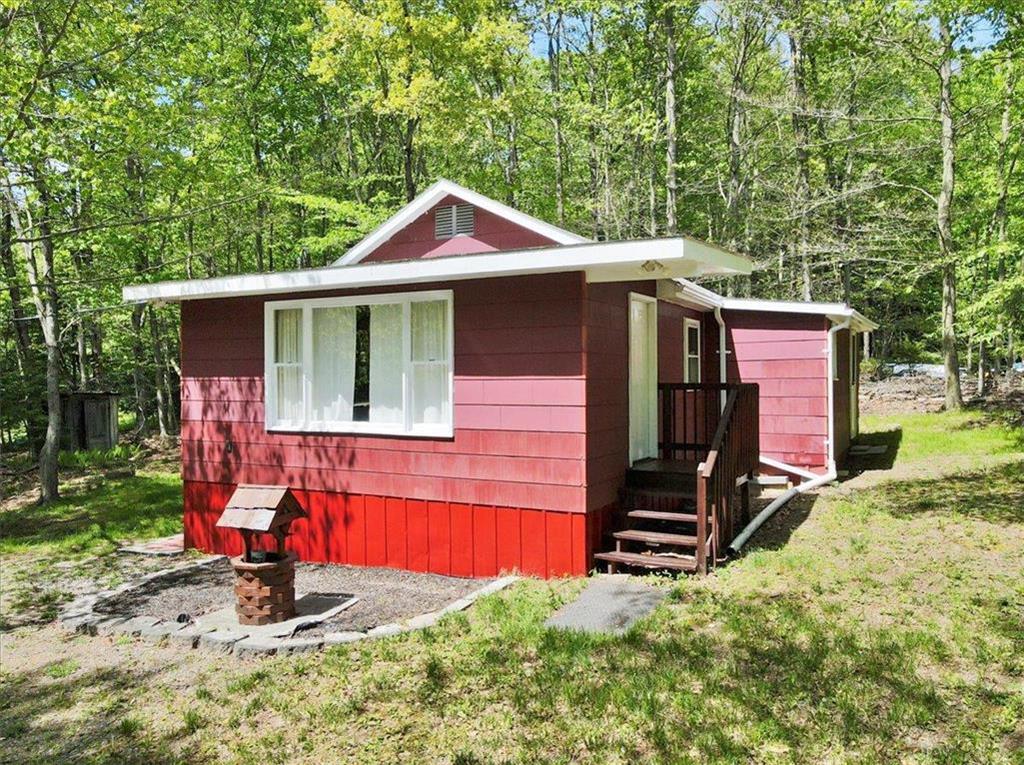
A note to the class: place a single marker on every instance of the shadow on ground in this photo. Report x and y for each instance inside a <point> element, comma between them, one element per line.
<point>41,719</point>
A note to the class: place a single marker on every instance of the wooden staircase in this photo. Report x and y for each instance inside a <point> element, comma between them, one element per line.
<point>677,512</point>
<point>659,518</point>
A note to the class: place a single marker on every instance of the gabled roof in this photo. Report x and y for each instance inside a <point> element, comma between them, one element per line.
<point>634,260</point>
<point>837,313</point>
<point>434,194</point>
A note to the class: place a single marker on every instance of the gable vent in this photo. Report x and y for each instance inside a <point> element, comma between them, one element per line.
<point>452,220</point>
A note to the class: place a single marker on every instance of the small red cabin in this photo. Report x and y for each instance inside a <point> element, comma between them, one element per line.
<point>471,390</point>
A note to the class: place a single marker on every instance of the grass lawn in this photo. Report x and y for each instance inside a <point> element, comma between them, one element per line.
<point>881,621</point>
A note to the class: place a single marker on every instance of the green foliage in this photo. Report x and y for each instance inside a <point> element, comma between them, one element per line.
<point>159,143</point>
<point>93,459</point>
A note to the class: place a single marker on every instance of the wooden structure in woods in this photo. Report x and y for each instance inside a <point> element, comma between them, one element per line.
<point>90,420</point>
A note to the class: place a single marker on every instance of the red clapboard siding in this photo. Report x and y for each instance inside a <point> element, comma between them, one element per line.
<point>491,232</point>
<point>440,537</point>
<point>519,408</point>
<point>785,355</point>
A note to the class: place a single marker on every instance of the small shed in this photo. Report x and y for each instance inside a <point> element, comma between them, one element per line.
<point>90,420</point>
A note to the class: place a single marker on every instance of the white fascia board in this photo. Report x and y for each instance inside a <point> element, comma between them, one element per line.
<point>434,194</point>
<point>642,260</point>
<point>837,313</point>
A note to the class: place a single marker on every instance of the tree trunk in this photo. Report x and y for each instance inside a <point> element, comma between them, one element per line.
<point>944,206</point>
<point>43,288</point>
<point>555,76</point>
<point>801,140</point>
<point>671,185</point>
<point>409,159</point>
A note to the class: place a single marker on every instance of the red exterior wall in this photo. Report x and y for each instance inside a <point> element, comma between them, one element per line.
<point>513,476</point>
<point>786,354</point>
<point>841,401</point>
<point>491,233</point>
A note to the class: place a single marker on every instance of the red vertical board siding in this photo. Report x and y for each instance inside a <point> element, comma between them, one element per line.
<point>376,531</point>
<point>462,539</point>
<point>533,542</point>
<point>417,530</point>
<point>559,543</point>
<point>396,533</point>
<point>508,527</point>
<point>356,524</point>
<point>439,537</point>
<point>485,549</point>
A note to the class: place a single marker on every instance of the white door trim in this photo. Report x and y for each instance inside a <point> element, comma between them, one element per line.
<point>643,436</point>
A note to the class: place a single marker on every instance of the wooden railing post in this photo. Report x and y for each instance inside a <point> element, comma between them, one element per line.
<point>702,521</point>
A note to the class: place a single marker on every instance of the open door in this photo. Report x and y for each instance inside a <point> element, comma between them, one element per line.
<point>643,377</point>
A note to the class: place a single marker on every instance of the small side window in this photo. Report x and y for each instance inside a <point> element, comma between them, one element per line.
<point>691,351</point>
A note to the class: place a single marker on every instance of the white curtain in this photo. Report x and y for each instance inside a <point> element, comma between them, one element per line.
<point>288,363</point>
<point>430,364</point>
<point>386,363</point>
<point>334,363</point>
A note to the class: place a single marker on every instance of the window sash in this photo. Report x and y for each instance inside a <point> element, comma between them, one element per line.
<point>405,424</point>
<point>691,354</point>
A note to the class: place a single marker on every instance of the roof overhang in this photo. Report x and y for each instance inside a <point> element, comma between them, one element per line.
<point>837,313</point>
<point>434,194</point>
<point>639,260</point>
<point>687,293</point>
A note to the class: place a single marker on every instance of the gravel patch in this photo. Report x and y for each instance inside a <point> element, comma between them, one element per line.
<point>385,595</point>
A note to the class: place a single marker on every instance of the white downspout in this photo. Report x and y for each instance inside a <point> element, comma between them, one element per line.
<point>722,365</point>
<point>813,483</point>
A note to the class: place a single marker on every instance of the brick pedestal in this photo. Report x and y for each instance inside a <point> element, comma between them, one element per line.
<point>265,591</point>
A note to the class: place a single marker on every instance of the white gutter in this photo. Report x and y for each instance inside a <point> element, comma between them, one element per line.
<point>818,480</point>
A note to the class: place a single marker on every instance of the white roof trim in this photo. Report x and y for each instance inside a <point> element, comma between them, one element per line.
<point>434,194</point>
<point>837,313</point>
<point>640,260</point>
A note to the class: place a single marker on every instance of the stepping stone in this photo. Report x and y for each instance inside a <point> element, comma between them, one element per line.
<point>172,545</point>
<point>610,604</point>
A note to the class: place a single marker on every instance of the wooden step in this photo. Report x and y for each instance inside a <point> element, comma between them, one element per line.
<point>656,538</point>
<point>657,515</point>
<point>673,562</point>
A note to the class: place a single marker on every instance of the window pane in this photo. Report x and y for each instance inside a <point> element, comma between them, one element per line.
<point>429,332</point>
<point>334,362</point>
<point>386,363</point>
<point>693,340</point>
<point>430,405</point>
<point>288,336</point>
<point>289,394</point>
<point>693,369</point>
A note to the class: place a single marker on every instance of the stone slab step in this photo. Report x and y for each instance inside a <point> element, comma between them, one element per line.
<point>675,563</point>
<point>656,538</point>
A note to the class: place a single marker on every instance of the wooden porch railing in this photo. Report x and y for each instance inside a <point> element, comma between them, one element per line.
<point>717,426</point>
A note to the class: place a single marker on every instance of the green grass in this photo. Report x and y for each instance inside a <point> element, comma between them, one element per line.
<point>94,520</point>
<point>959,434</point>
<point>882,621</point>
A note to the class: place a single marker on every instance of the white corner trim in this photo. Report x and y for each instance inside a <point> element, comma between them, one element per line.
<point>434,194</point>
<point>636,260</point>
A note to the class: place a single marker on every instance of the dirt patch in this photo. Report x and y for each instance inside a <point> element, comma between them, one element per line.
<point>385,595</point>
<point>920,393</point>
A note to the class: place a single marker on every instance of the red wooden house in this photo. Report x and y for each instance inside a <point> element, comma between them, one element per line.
<point>470,390</point>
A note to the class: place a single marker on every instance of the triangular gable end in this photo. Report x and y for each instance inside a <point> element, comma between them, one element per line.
<point>409,234</point>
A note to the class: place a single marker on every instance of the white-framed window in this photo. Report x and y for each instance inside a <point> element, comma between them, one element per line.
<point>366,364</point>
<point>452,220</point>
<point>691,351</point>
